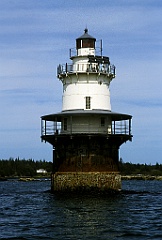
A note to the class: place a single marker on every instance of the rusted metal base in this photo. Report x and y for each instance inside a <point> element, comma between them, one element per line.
<point>85,181</point>
<point>86,163</point>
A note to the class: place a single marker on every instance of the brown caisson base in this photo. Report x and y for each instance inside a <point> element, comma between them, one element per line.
<point>85,181</point>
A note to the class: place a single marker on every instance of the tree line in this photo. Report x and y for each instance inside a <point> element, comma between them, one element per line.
<point>22,167</point>
<point>143,169</point>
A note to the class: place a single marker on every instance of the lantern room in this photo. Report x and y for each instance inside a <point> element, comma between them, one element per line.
<point>85,44</point>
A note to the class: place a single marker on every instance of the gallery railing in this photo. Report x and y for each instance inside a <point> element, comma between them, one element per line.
<point>86,67</point>
<point>122,127</point>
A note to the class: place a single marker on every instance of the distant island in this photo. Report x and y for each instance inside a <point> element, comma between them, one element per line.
<point>37,168</point>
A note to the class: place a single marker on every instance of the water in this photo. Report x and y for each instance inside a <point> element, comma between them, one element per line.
<point>29,211</point>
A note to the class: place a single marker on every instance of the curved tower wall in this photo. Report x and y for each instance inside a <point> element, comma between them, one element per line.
<point>75,92</point>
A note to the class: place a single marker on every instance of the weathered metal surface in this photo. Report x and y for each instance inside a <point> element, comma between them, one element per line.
<point>85,163</point>
<point>84,154</point>
<point>88,164</point>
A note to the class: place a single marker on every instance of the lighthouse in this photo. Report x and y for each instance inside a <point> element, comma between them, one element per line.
<point>86,135</point>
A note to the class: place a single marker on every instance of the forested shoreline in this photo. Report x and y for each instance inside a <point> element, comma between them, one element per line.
<point>28,167</point>
<point>23,167</point>
<point>127,168</point>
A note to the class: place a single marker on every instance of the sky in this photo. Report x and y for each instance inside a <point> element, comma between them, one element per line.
<point>36,35</point>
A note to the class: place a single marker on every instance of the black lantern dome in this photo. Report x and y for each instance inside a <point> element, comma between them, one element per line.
<point>85,41</point>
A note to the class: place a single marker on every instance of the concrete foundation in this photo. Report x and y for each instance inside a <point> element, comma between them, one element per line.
<point>85,181</point>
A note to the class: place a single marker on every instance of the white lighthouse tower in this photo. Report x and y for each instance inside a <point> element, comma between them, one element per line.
<point>88,88</point>
<point>86,134</point>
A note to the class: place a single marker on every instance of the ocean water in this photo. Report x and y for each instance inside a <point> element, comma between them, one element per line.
<point>29,211</point>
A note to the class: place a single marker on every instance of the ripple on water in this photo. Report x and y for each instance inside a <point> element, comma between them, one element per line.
<point>29,211</point>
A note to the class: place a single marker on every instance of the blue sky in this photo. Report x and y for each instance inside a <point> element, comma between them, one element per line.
<point>35,36</point>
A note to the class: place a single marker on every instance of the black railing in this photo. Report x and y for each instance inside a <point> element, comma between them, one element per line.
<point>122,127</point>
<point>86,67</point>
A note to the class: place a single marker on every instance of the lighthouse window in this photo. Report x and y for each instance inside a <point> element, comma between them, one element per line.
<point>65,124</point>
<point>88,102</point>
<point>85,43</point>
<point>88,43</point>
<point>79,43</point>
<point>102,122</point>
